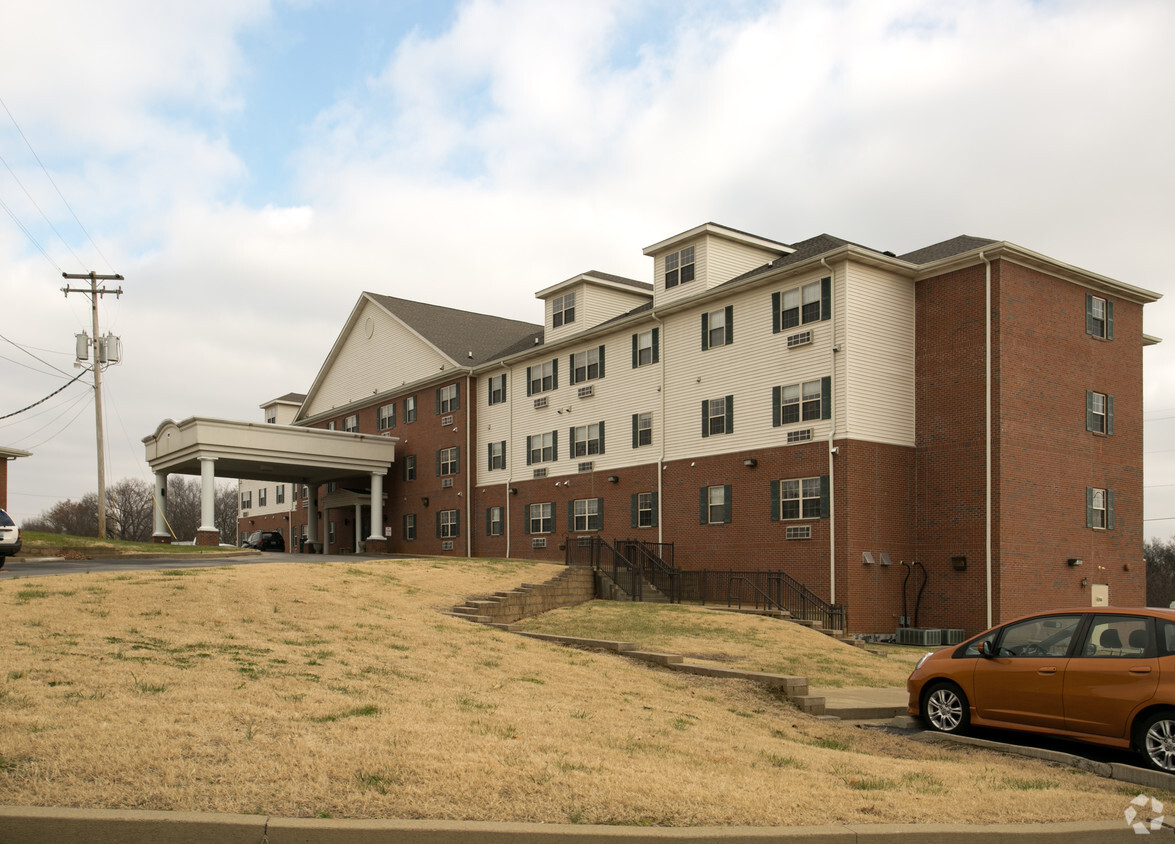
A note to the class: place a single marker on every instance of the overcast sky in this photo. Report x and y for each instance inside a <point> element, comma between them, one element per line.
<point>250,167</point>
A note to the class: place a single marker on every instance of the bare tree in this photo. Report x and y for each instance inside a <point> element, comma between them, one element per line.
<point>131,503</point>
<point>1160,572</point>
<point>226,513</point>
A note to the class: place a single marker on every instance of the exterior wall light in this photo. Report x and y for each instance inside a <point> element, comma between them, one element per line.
<point>1075,561</point>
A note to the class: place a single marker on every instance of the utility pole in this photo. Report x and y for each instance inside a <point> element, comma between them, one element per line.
<point>94,293</point>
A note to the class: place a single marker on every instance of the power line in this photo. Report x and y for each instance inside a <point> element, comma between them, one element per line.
<point>42,401</point>
<point>42,213</point>
<point>28,234</point>
<point>30,354</point>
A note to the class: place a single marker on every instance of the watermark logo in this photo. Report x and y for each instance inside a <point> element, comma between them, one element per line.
<point>1134,815</point>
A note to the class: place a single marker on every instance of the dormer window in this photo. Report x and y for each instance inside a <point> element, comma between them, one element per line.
<point>563,310</point>
<point>679,267</point>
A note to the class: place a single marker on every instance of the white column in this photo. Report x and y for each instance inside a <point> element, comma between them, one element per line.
<point>161,505</point>
<point>207,493</point>
<point>358,527</point>
<point>312,513</point>
<point>377,505</point>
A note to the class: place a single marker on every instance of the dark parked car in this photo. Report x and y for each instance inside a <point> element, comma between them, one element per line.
<point>264,540</point>
<point>9,537</point>
<point>1104,675</point>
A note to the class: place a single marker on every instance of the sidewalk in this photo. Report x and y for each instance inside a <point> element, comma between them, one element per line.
<point>862,704</point>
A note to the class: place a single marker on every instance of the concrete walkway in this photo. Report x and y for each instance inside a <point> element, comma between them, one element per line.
<point>862,704</point>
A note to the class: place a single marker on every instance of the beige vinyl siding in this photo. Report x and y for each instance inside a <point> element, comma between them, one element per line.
<point>757,361</point>
<point>681,291</point>
<point>493,423</point>
<point>726,260</point>
<point>392,356</point>
<point>879,357</point>
<point>554,335</point>
<point>594,304</point>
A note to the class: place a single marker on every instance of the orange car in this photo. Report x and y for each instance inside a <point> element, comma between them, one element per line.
<point>1104,675</point>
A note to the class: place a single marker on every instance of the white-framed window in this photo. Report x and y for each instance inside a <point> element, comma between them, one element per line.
<point>587,514</point>
<point>542,448</point>
<point>800,305</point>
<point>279,495</point>
<point>271,417</point>
<point>494,521</point>
<point>541,518</point>
<point>332,425</point>
<point>448,399</point>
<point>305,491</point>
<point>1099,508</point>
<point>261,496</point>
<point>448,461</point>
<point>587,440</point>
<point>800,402</point>
<point>642,429</point>
<point>645,349</point>
<point>799,498</point>
<point>497,384</point>
<point>449,524</point>
<point>246,500</point>
<point>718,328</point>
<point>716,502</point>
<point>409,409</point>
<point>1099,413</point>
<point>679,267</point>
<point>351,423</point>
<point>587,366</point>
<point>1099,317</point>
<point>332,534</point>
<point>563,310</point>
<point>409,526</point>
<point>497,455</point>
<point>410,467</point>
<point>387,417</point>
<point>717,416</point>
<point>644,509</point>
<point>542,377</point>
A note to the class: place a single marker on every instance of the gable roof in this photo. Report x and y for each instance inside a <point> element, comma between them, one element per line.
<point>946,249</point>
<point>468,338</point>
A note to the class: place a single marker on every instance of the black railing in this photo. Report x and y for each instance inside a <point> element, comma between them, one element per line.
<point>655,559</point>
<point>597,553</point>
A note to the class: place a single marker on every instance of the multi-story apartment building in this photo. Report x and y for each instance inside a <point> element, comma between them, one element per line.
<point>820,407</point>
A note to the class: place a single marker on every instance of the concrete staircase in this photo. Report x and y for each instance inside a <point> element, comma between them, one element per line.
<point>574,585</point>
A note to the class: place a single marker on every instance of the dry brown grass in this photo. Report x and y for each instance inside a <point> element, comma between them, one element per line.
<point>337,689</point>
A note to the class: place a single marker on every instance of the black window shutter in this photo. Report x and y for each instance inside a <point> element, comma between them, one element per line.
<point>438,462</point>
<point>528,381</point>
<point>729,415</point>
<point>703,505</point>
<point>654,513</point>
<point>635,431</point>
<point>601,361</point>
<point>456,396</point>
<point>1109,320</point>
<point>825,498</point>
<point>1090,325</point>
<point>775,501</point>
<point>528,460</point>
<point>554,445</point>
<point>1109,509</point>
<point>705,418</point>
<point>634,509</point>
<point>457,461</point>
<point>489,521</point>
<point>571,440</point>
<point>571,370</point>
<point>656,345</point>
<point>571,516</point>
<point>438,401</point>
<point>526,519</point>
<point>729,324</point>
<point>705,332</point>
<point>1110,415</point>
<point>1089,507</point>
<point>1089,420</point>
<point>826,397</point>
<point>555,374</point>
<point>826,298</point>
<point>776,406</point>
<point>456,523</point>
<point>775,323</point>
<point>727,489</point>
<point>601,436</point>
<point>489,457</point>
<point>634,351</point>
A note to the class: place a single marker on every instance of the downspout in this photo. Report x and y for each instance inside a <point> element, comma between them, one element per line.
<point>987,429</point>
<point>664,427</point>
<point>471,461</point>
<point>832,449</point>
<point>506,456</point>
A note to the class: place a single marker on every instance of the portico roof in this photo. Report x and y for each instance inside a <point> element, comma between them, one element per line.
<point>266,452</point>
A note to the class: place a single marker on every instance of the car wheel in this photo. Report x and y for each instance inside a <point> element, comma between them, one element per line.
<point>945,708</point>
<point>1157,741</point>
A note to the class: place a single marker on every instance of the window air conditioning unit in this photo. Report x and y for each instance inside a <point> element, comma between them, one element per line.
<point>538,542</point>
<point>447,420</point>
<point>584,392</point>
<point>447,545</point>
<point>540,473</point>
<point>801,436</point>
<point>541,401</point>
<point>586,467</point>
<point>802,338</point>
<point>446,483</point>
<point>799,532</point>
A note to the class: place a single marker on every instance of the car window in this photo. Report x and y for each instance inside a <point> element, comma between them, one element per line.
<point>6,520</point>
<point>1036,637</point>
<point>972,648</point>
<point>1117,636</point>
<point>1166,637</point>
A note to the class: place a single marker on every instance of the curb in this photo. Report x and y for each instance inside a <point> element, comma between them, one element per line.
<point>31,825</point>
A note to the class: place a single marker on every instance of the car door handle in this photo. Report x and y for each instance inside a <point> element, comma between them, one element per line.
<point>1142,669</point>
<point>1049,670</point>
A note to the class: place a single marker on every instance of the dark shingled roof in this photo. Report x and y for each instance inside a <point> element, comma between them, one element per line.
<point>945,249</point>
<point>289,398</point>
<point>805,249</point>
<point>458,333</point>
<point>619,279</point>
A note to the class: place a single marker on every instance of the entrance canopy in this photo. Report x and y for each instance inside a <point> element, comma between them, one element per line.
<point>266,452</point>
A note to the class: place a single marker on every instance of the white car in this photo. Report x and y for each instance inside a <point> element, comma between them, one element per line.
<point>9,537</point>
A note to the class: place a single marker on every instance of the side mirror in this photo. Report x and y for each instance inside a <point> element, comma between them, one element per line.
<point>987,649</point>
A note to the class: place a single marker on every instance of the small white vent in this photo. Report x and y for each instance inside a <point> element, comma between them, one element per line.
<point>541,401</point>
<point>801,338</point>
<point>244,512</point>
<point>446,483</point>
<point>447,545</point>
<point>586,467</point>
<point>538,542</point>
<point>801,436</point>
<point>799,532</point>
<point>386,434</point>
<point>447,420</point>
<point>584,392</point>
<point>540,473</point>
